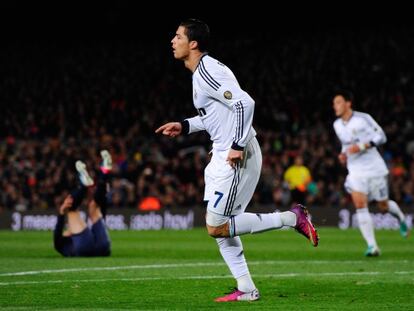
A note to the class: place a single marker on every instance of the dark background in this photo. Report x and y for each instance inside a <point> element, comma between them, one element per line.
<point>154,20</point>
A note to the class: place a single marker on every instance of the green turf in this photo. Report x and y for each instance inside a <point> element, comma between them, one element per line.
<point>183,270</point>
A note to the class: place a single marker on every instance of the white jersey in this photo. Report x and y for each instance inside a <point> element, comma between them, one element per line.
<point>225,111</point>
<point>362,128</point>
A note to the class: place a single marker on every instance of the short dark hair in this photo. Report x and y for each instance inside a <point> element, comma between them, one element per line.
<point>197,30</point>
<point>346,94</point>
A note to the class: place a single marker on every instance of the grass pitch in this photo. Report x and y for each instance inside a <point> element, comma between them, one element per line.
<point>183,270</point>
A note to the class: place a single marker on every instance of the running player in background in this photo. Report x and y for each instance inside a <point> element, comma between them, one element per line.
<point>79,239</point>
<point>367,178</point>
<point>225,112</point>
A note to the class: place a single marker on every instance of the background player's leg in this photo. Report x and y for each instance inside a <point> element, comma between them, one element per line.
<point>85,181</point>
<point>75,222</point>
<point>365,223</point>
<point>94,211</point>
<point>62,243</point>
<point>100,198</point>
<point>102,244</point>
<point>82,237</point>
<point>83,242</point>
<point>97,208</point>
<point>103,182</point>
<point>392,207</point>
<point>78,195</point>
<point>394,210</point>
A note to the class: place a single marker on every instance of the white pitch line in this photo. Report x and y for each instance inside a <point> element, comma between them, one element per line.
<point>157,266</point>
<point>194,264</point>
<point>207,277</point>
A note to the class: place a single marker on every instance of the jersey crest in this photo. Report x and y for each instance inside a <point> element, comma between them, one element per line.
<point>227,95</point>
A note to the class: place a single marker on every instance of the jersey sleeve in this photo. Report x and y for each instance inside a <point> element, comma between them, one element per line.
<point>376,134</point>
<point>343,147</point>
<point>221,85</point>
<point>192,125</point>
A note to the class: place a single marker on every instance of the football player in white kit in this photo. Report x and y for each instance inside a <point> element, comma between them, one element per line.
<point>225,112</point>
<point>367,178</point>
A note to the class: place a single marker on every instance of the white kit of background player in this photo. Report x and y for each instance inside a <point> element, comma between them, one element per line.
<point>367,178</point>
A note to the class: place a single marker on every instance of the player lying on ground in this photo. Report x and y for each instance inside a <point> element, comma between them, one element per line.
<point>79,239</point>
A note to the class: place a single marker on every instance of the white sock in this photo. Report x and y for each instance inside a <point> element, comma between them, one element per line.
<point>288,218</point>
<point>254,223</point>
<point>232,251</point>
<point>245,283</point>
<point>395,210</point>
<point>366,226</point>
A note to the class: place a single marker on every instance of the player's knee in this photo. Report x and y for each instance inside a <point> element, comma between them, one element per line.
<point>359,205</point>
<point>214,232</point>
<point>383,206</point>
<point>218,232</point>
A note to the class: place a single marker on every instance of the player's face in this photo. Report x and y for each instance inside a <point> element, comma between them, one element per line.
<point>180,44</point>
<point>340,105</point>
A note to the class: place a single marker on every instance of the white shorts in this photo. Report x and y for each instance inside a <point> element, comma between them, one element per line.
<point>229,190</point>
<point>376,188</point>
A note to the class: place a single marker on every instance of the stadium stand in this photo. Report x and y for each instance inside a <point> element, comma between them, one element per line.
<point>68,101</point>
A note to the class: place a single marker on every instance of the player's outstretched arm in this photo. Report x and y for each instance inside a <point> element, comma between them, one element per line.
<point>171,129</point>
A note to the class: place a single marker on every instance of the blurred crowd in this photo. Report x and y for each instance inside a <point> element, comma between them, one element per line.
<point>61,102</point>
